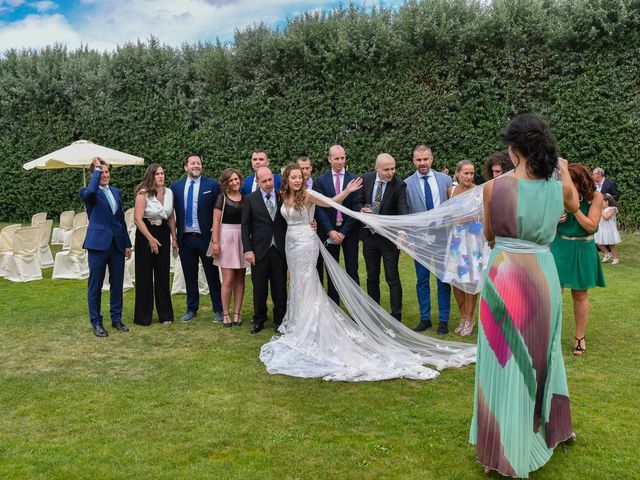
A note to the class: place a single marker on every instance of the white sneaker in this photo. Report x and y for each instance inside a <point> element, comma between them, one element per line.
<point>606,258</point>
<point>615,261</point>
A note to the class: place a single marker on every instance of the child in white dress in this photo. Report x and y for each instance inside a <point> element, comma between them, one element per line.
<point>607,236</point>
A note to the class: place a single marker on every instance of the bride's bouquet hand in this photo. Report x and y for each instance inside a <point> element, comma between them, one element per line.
<point>354,185</point>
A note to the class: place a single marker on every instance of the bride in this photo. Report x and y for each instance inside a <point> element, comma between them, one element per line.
<point>320,339</point>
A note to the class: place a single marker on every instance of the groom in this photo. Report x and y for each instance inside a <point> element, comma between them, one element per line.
<point>263,237</point>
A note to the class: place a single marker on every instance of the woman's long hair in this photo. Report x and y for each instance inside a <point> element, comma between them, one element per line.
<point>581,178</point>
<point>530,134</point>
<point>298,197</point>
<point>148,183</point>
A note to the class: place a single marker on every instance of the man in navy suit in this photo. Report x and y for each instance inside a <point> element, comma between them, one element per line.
<point>426,189</point>
<point>194,196</point>
<point>338,231</point>
<point>259,158</point>
<point>107,243</point>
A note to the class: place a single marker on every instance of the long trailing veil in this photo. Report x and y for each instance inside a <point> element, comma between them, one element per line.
<point>374,324</point>
<point>429,237</point>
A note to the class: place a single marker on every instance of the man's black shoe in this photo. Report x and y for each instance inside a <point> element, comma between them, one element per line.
<point>443,328</point>
<point>120,326</point>
<point>98,331</point>
<point>423,325</point>
<point>257,327</point>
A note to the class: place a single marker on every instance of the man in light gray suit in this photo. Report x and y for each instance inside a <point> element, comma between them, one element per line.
<point>427,189</point>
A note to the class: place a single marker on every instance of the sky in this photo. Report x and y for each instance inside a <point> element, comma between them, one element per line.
<point>104,24</point>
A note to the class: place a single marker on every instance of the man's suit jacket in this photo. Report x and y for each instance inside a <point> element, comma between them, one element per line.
<point>394,199</point>
<point>258,229</point>
<point>209,191</point>
<point>609,186</point>
<point>415,197</point>
<point>326,216</point>
<point>104,226</point>
<point>248,183</point>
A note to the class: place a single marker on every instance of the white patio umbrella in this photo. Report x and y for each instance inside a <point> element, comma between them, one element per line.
<point>79,155</point>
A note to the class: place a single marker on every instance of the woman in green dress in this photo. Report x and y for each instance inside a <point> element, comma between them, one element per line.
<point>521,400</point>
<point>575,252</point>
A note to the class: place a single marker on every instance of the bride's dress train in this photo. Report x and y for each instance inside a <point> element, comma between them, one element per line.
<point>320,340</point>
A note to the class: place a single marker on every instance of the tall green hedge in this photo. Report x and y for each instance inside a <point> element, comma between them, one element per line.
<point>446,72</point>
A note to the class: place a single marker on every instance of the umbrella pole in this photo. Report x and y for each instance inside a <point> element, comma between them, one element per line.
<point>84,176</point>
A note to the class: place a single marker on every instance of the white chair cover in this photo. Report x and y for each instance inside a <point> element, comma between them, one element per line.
<point>79,220</point>
<point>24,265</point>
<point>131,224</point>
<point>6,244</point>
<point>38,218</point>
<point>66,224</point>
<point>44,251</point>
<point>179,287</point>
<point>73,263</point>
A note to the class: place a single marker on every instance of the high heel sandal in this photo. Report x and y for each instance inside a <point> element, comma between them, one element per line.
<point>225,317</point>
<point>468,328</point>
<point>579,349</point>
<point>461,326</point>
<point>238,322</point>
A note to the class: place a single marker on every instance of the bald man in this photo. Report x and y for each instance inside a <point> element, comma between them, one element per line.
<point>383,193</point>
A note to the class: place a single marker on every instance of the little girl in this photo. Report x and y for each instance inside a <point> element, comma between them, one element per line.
<point>607,236</point>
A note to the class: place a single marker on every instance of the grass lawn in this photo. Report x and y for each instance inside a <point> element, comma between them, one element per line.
<point>194,401</point>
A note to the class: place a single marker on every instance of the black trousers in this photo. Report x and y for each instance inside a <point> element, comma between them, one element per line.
<point>374,249</point>
<point>152,276</point>
<point>270,271</point>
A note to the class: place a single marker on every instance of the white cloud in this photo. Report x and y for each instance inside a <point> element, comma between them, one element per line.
<point>37,31</point>
<point>104,24</point>
<point>185,21</point>
<point>44,6</point>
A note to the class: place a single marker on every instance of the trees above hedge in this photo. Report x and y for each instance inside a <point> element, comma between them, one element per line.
<point>448,73</point>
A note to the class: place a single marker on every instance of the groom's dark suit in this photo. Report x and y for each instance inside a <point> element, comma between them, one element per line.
<point>265,237</point>
<point>376,247</point>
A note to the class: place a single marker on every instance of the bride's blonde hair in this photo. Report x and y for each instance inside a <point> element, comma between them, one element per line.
<point>298,197</point>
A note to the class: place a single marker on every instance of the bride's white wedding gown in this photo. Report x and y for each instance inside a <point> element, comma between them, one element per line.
<point>320,340</point>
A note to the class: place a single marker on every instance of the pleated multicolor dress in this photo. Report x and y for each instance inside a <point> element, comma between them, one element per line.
<point>521,400</point>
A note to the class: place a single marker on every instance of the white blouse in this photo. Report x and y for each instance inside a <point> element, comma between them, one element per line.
<point>156,212</point>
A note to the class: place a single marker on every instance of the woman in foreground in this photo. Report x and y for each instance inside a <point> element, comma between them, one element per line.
<point>521,400</point>
<point>319,339</point>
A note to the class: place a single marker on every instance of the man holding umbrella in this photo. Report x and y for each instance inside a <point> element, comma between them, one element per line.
<point>107,243</point>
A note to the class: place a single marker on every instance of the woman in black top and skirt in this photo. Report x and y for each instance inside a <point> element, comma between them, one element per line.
<point>226,244</point>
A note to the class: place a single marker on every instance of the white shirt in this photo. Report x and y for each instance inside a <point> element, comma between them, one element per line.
<point>196,191</point>
<point>435,191</point>
<point>155,212</point>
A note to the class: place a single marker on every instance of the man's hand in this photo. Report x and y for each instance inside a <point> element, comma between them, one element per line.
<point>250,258</point>
<point>314,225</point>
<point>127,253</point>
<point>401,239</point>
<point>336,237</point>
